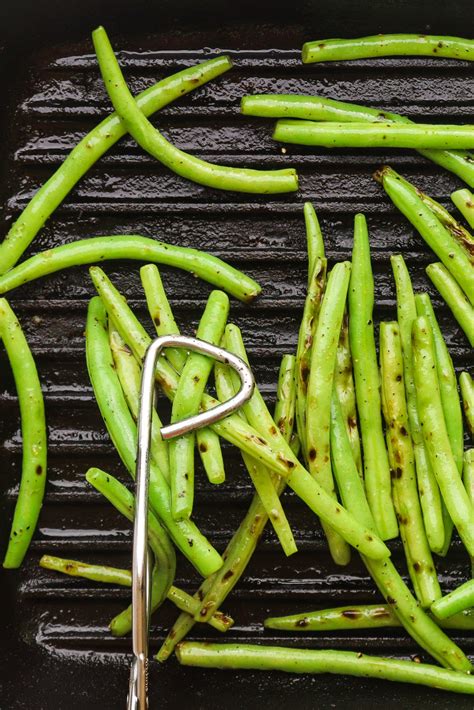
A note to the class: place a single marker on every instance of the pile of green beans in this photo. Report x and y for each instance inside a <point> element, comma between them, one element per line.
<point>269,448</point>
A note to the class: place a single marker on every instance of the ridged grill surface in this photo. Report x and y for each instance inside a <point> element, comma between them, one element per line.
<point>58,625</point>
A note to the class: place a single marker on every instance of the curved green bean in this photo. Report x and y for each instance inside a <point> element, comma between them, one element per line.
<point>430,228</point>
<point>129,374</point>
<point>330,134</point>
<point>402,462</point>
<point>123,577</point>
<point>33,433</point>
<point>428,489</point>
<point>464,201</point>
<point>388,45</point>
<point>345,389</point>
<point>270,449</point>
<point>122,431</point>
<point>295,660</point>
<point>186,402</point>
<point>314,238</point>
<point>88,251</point>
<point>83,156</point>
<point>319,393</point>
<point>366,377</point>
<point>163,319</point>
<point>183,164</point>
<point>467,391</point>
<point>454,297</point>
<point>448,386</point>
<point>307,330</point>
<point>350,618</point>
<point>319,108</point>
<point>455,602</point>
<point>435,433</point>
<point>164,567</point>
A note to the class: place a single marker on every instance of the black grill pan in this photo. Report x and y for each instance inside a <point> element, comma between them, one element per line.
<point>56,652</point>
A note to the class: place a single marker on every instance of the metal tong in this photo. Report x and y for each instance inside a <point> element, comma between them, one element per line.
<point>138,688</point>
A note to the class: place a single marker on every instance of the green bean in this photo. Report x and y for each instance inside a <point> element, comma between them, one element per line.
<point>129,374</point>
<point>162,316</point>
<point>456,230</point>
<point>467,391</point>
<point>428,489</point>
<point>450,401</point>
<point>183,164</point>
<point>191,386</point>
<point>319,108</point>
<point>97,573</point>
<point>345,389</point>
<point>270,449</point>
<point>430,228</point>
<point>161,313</point>
<point>319,392</point>
<point>349,482</point>
<point>97,249</point>
<point>454,297</point>
<point>122,431</point>
<point>350,618</point>
<point>123,578</point>
<point>388,45</point>
<point>402,461</point>
<point>435,433</point>
<point>307,330</point>
<point>464,201</point>
<point>455,602</point>
<point>366,377</point>
<point>468,474</point>
<point>164,567</point>
<point>83,156</point>
<point>241,547</point>
<point>330,134</point>
<point>265,484</point>
<point>284,414</point>
<point>448,386</point>
<point>314,238</point>
<point>295,660</point>
<point>33,433</point>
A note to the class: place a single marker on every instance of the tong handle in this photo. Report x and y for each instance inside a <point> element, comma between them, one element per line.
<point>138,686</point>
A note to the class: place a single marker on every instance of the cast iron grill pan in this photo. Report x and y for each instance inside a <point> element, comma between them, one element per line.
<point>58,652</point>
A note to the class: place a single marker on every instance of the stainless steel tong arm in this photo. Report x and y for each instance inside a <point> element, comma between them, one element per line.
<point>137,697</point>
